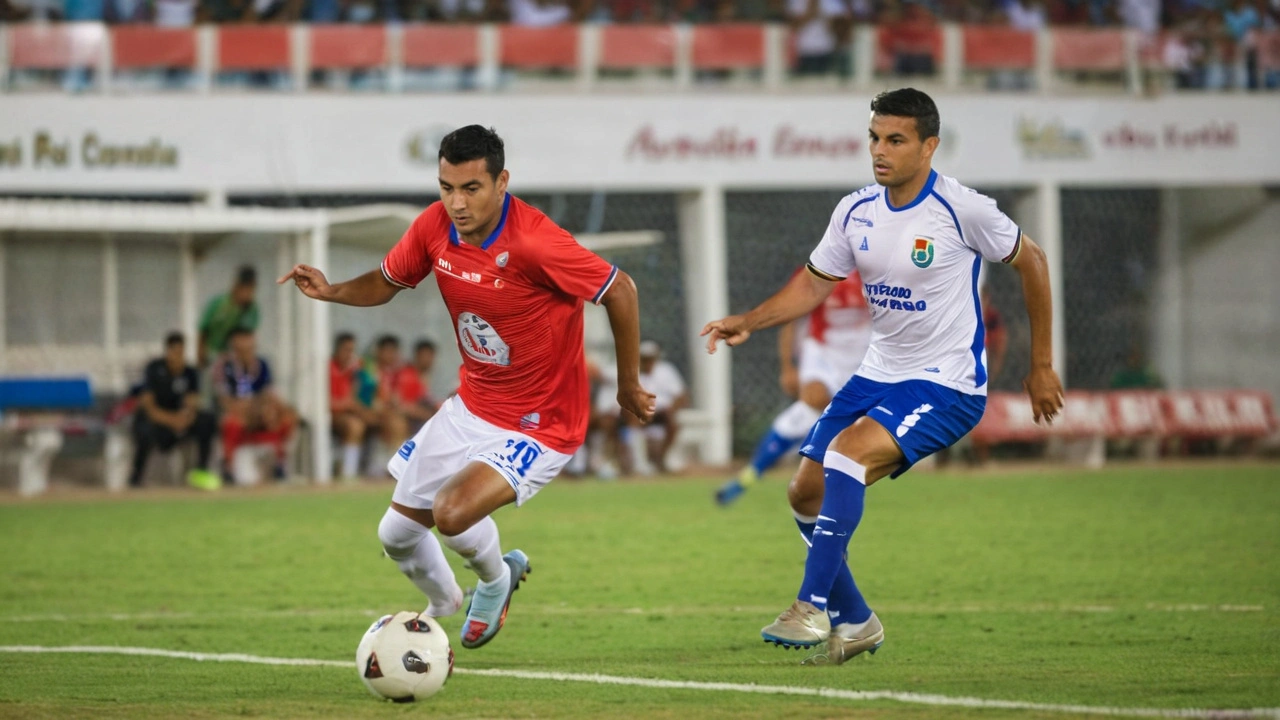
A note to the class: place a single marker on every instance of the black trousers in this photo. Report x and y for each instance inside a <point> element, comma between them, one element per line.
<point>148,435</point>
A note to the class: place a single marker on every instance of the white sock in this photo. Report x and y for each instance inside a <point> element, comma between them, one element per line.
<point>350,460</point>
<point>479,545</point>
<point>796,420</point>
<point>417,553</point>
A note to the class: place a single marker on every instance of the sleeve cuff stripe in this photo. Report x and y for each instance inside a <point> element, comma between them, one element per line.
<point>1017,245</point>
<point>824,275</point>
<point>387,274</point>
<point>613,274</point>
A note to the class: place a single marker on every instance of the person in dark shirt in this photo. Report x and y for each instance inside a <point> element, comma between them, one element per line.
<point>168,414</point>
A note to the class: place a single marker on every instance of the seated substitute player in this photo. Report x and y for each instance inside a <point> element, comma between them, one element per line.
<point>252,412</point>
<point>169,413</point>
<point>839,331</point>
<point>918,239</point>
<point>514,283</point>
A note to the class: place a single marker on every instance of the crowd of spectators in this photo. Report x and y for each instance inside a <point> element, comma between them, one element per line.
<point>1232,18</point>
<point>1201,41</point>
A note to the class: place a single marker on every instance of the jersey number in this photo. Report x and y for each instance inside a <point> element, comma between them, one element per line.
<point>523,455</point>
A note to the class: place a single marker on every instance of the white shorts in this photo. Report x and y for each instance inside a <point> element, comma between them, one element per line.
<point>824,364</point>
<point>453,438</point>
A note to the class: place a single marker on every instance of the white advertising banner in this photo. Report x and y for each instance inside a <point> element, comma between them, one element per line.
<point>316,143</point>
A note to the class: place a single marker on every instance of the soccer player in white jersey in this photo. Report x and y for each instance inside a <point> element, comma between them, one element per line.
<point>918,239</point>
<point>838,333</point>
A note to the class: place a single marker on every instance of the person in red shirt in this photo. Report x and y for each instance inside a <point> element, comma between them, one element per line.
<point>399,389</point>
<point>514,284</point>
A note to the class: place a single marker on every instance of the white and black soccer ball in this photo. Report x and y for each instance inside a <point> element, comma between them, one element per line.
<point>404,657</point>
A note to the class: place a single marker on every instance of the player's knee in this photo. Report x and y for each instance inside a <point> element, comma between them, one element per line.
<point>815,395</point>
<point>451,518</point>
<point>804,493</point>
<point>399,535</point>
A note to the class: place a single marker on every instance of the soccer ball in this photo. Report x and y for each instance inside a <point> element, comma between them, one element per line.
<point>404,657</point>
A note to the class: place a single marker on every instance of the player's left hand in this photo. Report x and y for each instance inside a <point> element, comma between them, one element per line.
<point>733,330</point>
<point>638,401</point>
<point>1045,390</point>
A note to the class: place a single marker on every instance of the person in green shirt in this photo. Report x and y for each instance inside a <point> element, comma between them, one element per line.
<point>1136,374</point>
<point>226,312</point>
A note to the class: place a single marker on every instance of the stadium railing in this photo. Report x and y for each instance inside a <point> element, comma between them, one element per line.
<point>1150,417</point>
<point>761,55</point>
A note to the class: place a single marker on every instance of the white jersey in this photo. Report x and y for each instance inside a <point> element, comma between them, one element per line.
<point>919,265</point>
<point>665,383</point>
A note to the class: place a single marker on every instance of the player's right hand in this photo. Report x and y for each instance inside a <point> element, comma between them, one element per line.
<point>309,280</point>
<point>638,401</point>
<point>733,330</point>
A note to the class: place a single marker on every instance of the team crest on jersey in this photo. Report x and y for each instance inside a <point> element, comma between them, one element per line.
<point>922,252</point>
<point>502,259</point>
<point>479,340</point>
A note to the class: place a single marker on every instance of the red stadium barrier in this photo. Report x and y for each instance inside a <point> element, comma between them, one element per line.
<point>348,46</point>
<point>253,47</point>
<point>145,46</point>
<point>992,47</point>
<point>1192,414</point>
<point>56,47</point>
<point>538,47</point>
<point>1086,49</point>
<point>441,45</point>
<point>637,46</point>
<point>728,46</point>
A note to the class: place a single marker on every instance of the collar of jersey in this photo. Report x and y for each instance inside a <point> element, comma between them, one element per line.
<point>493,236</point>
<point>924,193</point>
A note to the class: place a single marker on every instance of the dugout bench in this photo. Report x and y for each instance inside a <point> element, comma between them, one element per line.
<point>36,416</point>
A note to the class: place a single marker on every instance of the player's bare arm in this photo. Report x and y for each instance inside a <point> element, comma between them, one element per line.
<point>788,376</point>
<point>371,288</point>
<point>797,298</point>
<point>1042,383</point>
<point>623,305</point>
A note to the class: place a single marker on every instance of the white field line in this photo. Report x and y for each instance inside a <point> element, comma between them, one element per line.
<point>908,609</point>
<point>831,693</point>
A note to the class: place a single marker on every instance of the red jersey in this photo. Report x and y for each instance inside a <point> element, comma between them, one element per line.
<point>401,383</point>
<point>844,315</point>
<point>516,303</point>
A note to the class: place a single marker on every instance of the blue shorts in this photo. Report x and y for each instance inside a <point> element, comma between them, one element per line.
<point>923,417</point>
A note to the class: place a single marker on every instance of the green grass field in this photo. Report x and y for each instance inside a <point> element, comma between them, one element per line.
<point>1126,588</point>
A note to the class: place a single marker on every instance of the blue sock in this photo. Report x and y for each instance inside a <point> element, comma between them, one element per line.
<point>841,511</point>
<point>772,447</point>
<point>845,603</point>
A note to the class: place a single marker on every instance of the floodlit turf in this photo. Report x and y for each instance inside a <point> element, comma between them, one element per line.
<point>1156,588</point>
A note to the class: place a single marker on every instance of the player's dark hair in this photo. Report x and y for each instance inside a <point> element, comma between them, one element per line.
<point>909,102</point>
<point>246,275</point>
<point>388,340</point>
<point>474,142</point>
<point>341,338</point>
<point>174,338</point>
<point>424,344</point>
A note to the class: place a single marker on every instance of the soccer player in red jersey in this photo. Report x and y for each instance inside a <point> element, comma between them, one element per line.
<point>514,283</point>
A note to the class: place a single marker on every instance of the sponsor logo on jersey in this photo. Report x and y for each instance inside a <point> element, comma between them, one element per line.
<point>864,246</point>
<point>444,265</point>
<point>407,449</point>
<point>862,221</point>
<point>480,341</point>
<point>893,297</point>
<point>502,259</point>
<point>922,252</point>
<point>530,421</point>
